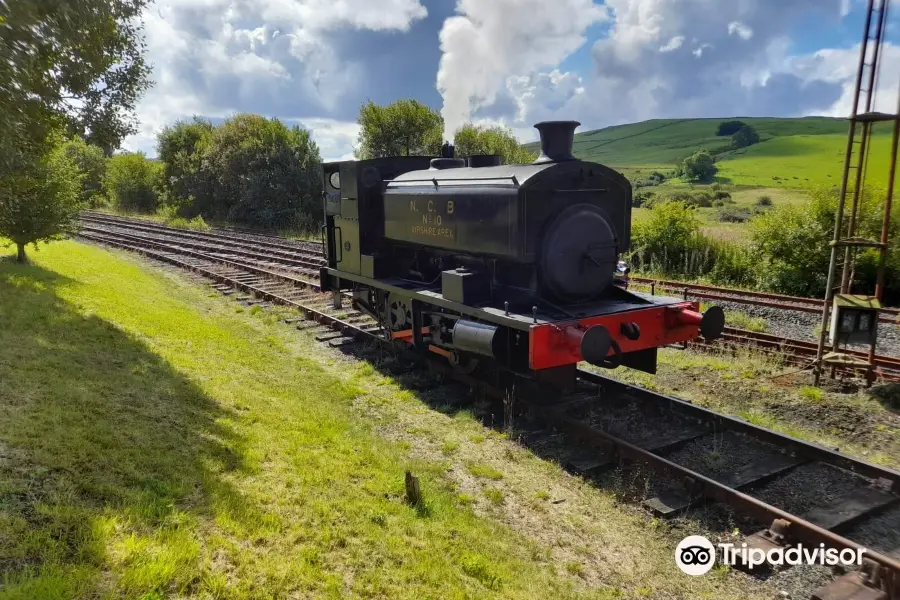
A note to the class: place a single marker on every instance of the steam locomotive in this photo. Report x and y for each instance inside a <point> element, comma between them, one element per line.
<point>516,264</point>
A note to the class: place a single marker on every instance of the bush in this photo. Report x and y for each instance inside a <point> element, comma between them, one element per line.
<point>265,174</point>
<point>729,127</point>
<point>723,196</point>
<point>132,182</point>
<point>642,198</point>
<point>187,186</point>
<point>734,214</point>
<point>700,166</point>
<point>743,137</point>
<point>656,177</point>
<point>764,201</point>
<point>698,199</point>
<point>195,224</point>
<point>40,200</point>
<point>92,163</point>
<point>671,243</point>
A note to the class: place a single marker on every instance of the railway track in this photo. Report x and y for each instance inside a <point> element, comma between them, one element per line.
<point>803,492</point>
<point>765,299</point>
<point>690,290</point>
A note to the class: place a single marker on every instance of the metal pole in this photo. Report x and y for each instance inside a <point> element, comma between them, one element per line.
<point>885,233</point>
<point>863,145</point>
<point>839,217</point>
<point>886,223</point>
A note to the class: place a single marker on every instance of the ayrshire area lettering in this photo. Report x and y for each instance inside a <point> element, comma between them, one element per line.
<point>435,220</point>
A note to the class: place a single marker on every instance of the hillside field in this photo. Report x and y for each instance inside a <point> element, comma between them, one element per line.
<point>793,153</point>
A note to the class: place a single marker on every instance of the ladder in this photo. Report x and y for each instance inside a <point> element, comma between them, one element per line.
<point>846,240</point>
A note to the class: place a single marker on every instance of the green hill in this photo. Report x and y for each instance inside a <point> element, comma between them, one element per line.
<point>667,141</point>
<point>792,152</point>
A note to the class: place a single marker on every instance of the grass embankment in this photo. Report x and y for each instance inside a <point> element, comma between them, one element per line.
<point>157,441</point>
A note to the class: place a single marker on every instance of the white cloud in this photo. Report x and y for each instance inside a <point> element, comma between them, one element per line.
<point>490,41</point>
<point>336,139</point>
<point>673,44</point>
<point>699,50</point>
<point>217,57</point>
<point>737,64</point>
<point>739,28</point>
<point>839,65</point>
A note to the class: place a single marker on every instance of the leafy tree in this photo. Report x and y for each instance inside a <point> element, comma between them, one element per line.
<point>40,200</point>
<point>66,64</point>
<point>132,182</point>
<point>265,174</point>
<point>471,139</point>
<point>700,166</point>
<point>729,127</point>
<point>404,128</point>
<point>743,137</point>
<point>187,185</point>
<point>92,164</point>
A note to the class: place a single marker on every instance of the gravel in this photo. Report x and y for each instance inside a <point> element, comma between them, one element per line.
<point>801,325</point>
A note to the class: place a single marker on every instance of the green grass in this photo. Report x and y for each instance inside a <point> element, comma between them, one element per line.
<point>662,143</point>
<point>735,318</point>
<point>793,153</point>
<point>154,444</point>
<point>801,161</point>
<point>484,471</point>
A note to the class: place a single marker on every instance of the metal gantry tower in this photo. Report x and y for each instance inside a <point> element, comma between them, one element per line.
<point>848,318</point>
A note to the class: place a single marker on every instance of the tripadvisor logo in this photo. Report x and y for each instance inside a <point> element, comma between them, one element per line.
<point>696,555</point>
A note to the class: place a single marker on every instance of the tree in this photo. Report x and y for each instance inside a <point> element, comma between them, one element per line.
<point>729,127</point>
<point>700,166</point>
<point>404,128</point>
<point>68,65</point>
<point>92,164</point>
<point>471,139</point>
<point>132,182</point>
<point>40,200</point>
<point>743,137</point>
<point>187,185</point>
<point>265,174</point>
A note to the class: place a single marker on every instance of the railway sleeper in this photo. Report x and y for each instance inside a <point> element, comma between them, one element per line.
<point>871,582</point>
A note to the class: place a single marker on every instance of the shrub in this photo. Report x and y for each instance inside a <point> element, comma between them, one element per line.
<point>729,127</point>
<point>764,201</point>
<point>743,137</point>
<point>671,243</point>
<point>196,224</point>
<point>700,166</point>
<point>92,163</point>
<point>722,195</point>
<point>734,214</point>
<point>132,182</point>
<point>642,198</point>
<point>790,244</point>
<point>265,174</point>
<point>40,200</point>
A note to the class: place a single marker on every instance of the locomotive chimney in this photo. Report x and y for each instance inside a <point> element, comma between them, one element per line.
<point>557,138</point>
<point>448,159</point>
<point>484,160</point>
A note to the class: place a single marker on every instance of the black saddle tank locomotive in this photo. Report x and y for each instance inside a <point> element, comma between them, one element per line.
<point>472,259</point>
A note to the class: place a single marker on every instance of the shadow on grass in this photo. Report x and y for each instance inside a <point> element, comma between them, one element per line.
<point>108,456</point>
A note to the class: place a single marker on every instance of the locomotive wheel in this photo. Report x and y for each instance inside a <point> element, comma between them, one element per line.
<point>464,364</point>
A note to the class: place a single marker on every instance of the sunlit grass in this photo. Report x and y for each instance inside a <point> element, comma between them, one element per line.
<point>154,444</point>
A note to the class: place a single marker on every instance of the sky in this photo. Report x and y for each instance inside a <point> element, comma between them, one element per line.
<point>313,63</point>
